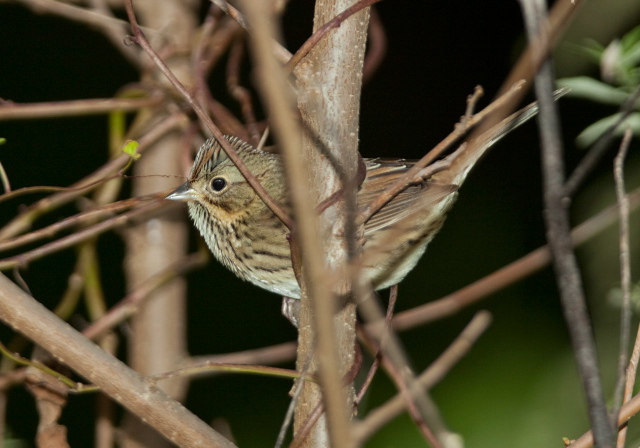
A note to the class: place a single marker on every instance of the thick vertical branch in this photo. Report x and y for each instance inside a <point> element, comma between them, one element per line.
<point>329,82</point>
<point>158,339</point>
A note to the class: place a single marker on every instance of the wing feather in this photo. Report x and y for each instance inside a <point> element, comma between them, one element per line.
<point>381,174</point>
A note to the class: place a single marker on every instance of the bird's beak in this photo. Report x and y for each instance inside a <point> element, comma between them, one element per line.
<point>183,193</point>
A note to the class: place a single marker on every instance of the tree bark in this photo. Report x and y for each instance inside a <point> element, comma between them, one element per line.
<point>329,82</point>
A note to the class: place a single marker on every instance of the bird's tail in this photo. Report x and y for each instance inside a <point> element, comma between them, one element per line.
<point>466,156</point>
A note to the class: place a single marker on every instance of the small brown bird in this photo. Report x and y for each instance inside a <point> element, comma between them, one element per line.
<point>246,237</point>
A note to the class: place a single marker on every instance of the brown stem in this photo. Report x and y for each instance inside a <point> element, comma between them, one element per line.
<point>124,385</point>
<point>321,32</point>
<point>73,239</point>
<point>29,111</point>
<point>378,417</point>
<point>624,388</point>
<point>558,232</point>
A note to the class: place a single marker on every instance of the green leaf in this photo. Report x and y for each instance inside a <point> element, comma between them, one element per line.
<point>3,140</point>
<point>630,40</point>
<point>131,147</point>
<point>595,131</point>
<point>594,90</point>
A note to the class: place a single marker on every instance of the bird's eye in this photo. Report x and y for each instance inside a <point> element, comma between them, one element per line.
<point>218,184</point>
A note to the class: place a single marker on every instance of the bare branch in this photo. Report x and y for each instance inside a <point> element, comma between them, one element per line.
<point>558,232</point>
<point>132,302</point>
<point>622,393</point>
<point>460,129</point>
<point>513,272</point>
<point>26,218</point>
<point>280,106</point>
<point>107,24</point>
<point>321,32</point>
<point>124,385</point>
<point>430,377</point>
<point>82,235</point>
<point>598,149</point>
<point>16,111</point>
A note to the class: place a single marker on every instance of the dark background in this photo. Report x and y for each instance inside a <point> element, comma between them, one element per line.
<point>518,387</point>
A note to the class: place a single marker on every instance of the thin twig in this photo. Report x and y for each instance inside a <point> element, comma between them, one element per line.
<point>410,176</point>
<point>620,394</point>
<point>376,46</point>
<point>134,300</point>
<point>507,275</point>
<point>532,58</point>
<point>558,235</point>
<point>288,418</point>
<point>29,111</point>
<point>280,52</point>
<point>82,235</point>
<point>395,360</point>
<point>23,313</point>
<point>599,148</point>
<point>240,93</point>
<point>380,416</point>
<point>27,217</point>
<point>415,403</point>
<point>210,368</point>
<point>393,296</point>
<point>92,18</point>
<point>232,12</point>
<point>324,29</point>
<point>79,219</point>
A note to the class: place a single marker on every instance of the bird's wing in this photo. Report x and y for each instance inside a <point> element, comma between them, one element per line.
<point>381,174</point>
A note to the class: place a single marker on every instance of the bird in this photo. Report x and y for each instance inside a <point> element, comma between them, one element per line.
<point>246,236</point>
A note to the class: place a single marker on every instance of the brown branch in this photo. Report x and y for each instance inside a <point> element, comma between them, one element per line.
<point>281,53</point>
<point>393,296</point>
<point>79,219</point>
<point>380,416</point>
<point>132,302</point>
<point>107,24</point>
<point>280,107</point>
<point>513,272</point>
<point>599,148</point>
<point>124,385</point>
<point>232,12</point>
<point>240,93</point>
<point>558,230</point>
<point>395,360</point>
<point>214,38</point>
<point>460,129</point>
<point>274,354</point>
<point>624,389</point>
<point>75,238</point>
<point>28,111</point>
<point>321,32</point>
<point>413,401</point>
<point>530,60</point>
<point>26,218</point>
<point>210,368</point>
<point>631,408</point>
<point>140,39</point>
<point>377,46</point>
